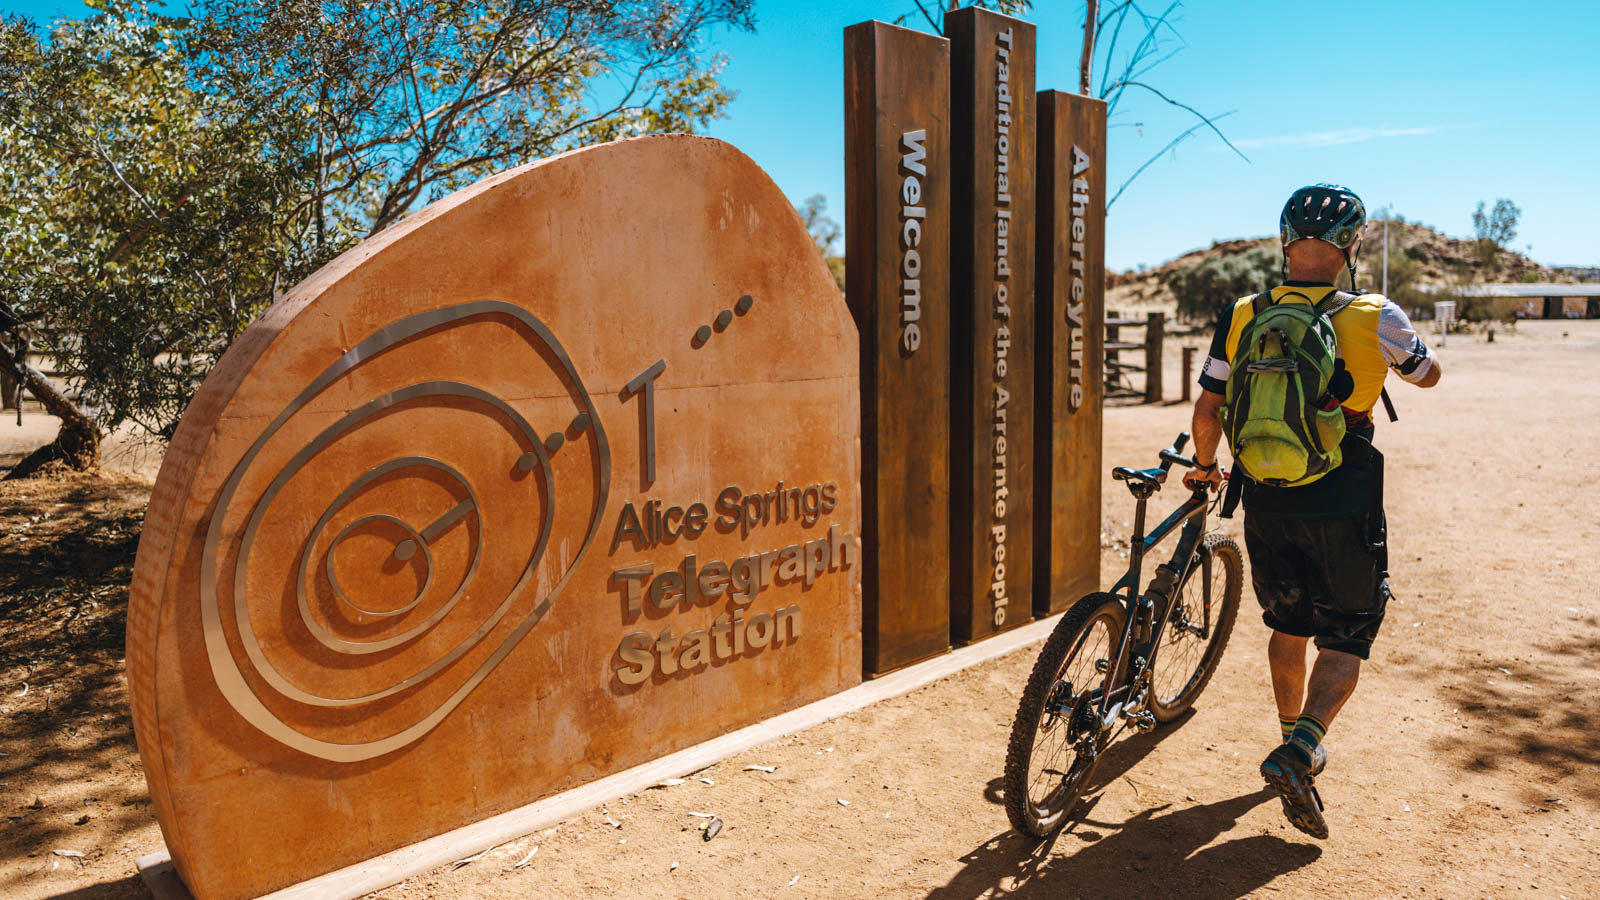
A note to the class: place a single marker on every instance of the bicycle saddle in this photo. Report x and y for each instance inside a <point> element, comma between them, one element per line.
<point>1149,476</point>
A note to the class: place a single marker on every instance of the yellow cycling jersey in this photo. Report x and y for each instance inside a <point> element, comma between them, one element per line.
<point>1356,327</point>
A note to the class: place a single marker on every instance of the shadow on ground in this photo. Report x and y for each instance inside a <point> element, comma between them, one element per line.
<point>130,887</point>
<point>1539,712</point>
<point>1156,853</point>
<point>67,755</point>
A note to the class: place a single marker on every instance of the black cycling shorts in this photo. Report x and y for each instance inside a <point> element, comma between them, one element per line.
<point>1320,578</point>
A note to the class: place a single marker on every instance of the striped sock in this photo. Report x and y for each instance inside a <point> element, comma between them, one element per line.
<point>1287,724</point>
<point>1308,733</point>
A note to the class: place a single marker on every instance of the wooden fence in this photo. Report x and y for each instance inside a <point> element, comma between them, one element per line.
<point>1119,382</point>
<point>1120,373</point>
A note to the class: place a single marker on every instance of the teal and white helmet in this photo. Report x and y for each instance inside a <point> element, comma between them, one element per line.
<point>1324,212</point>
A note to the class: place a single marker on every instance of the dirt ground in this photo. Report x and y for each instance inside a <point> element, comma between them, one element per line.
<point>1468,763</point>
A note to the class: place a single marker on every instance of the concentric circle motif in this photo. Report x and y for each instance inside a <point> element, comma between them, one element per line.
<point>534,458</point>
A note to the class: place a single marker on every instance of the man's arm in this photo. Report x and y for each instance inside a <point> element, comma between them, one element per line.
<point>1432,376</point>
<point>1403,348</point>
<point>1207,430</point>
<point>1207,423</point>
<point>1207,427</point>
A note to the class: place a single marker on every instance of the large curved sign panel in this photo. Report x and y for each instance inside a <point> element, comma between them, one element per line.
<point>558,476</point>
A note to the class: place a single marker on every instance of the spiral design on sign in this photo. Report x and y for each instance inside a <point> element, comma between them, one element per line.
<point>536,459</point>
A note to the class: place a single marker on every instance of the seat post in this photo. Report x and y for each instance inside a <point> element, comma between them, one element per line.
<point>1141,495</point>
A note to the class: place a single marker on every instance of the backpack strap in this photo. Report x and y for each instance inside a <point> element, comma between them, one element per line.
<point>1231,491</point>
<point>1261,301</point>
<point>1335,301</point>
<point>1388,405</point>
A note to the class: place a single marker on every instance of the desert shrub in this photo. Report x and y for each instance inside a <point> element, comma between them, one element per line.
<point>1405,275</point>
<point>1206,288</point>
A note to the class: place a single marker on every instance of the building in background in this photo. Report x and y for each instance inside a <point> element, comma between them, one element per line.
<point>1537,300</point>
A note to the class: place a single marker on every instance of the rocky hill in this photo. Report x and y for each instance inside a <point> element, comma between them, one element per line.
<point>1418,255</point>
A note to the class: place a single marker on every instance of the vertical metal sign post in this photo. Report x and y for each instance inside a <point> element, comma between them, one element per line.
<point>1069,386</point>
<point>897,284</point>
<point>991,317</point>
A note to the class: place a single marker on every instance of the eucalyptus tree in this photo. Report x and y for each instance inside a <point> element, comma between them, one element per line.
<point>164,178</point>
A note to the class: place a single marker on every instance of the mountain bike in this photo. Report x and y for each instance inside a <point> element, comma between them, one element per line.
<point>1123,657</point>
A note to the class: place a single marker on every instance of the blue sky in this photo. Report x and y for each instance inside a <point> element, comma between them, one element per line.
<point>1428,106</point>
<point>1424,105</point>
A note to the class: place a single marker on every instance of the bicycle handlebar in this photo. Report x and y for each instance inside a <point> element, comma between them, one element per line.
<point>1158,476</point>
<point>1174,454</point>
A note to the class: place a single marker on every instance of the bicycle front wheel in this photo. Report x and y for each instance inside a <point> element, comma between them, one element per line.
<point>1056,735</point>
<point>1198,629</point>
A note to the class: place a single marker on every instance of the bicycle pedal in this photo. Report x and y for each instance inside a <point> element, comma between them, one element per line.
<point>1144,722</point>
<point>1102,665</point>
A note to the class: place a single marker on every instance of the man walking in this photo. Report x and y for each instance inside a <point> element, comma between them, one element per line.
<point>1312,490</point>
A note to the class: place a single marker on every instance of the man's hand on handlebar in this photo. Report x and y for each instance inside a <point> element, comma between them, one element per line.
<point>1197,479</point>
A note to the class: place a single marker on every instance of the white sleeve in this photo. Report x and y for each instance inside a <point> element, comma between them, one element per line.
<point>1402,348</point>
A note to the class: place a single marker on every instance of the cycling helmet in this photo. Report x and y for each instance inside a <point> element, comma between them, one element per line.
<point>1326,212</point>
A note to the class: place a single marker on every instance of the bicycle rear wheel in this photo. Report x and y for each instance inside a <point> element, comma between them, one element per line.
<point>1055,737</point>
<point>1198,629</point>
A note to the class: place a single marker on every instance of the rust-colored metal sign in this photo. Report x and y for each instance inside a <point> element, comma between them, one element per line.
<point>555,477</point>
<point>1071,328</point>
<point>992,313</point>
<point>897,200</point>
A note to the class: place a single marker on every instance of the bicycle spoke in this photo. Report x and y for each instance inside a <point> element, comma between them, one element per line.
<point>1055,758</point>
<point>1179,662</point>
<point>1197,629</point>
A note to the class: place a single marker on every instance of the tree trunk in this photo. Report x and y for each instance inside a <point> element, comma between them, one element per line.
<point>77,445</point>
<point>10,387</point>
<point>1086,62</point>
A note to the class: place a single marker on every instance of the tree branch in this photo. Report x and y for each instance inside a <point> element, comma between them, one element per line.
<point>937,27</point>
<point>1170,144</point>
<point>1198,114</point>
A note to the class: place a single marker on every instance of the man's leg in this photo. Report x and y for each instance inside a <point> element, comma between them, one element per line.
<point>1286,656</point>
<point>1276,573</point>
<point>1333,680</point>
<point>1344,585</point>
<point>1350,602</point>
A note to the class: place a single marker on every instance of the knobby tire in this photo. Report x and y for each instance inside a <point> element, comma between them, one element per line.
<point>1061,649</point>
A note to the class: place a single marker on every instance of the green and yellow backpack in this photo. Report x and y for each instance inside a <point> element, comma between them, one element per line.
<point>1283,424</point>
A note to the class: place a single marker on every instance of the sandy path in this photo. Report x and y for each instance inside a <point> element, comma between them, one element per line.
<point>1450,776</point>
<point>1466,764</point>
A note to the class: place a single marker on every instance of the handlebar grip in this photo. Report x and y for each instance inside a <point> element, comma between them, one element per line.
<point>1174,453</point>
<point>1168,458</point>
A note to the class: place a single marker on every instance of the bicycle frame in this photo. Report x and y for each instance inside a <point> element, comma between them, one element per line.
<point>1132,662</point>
